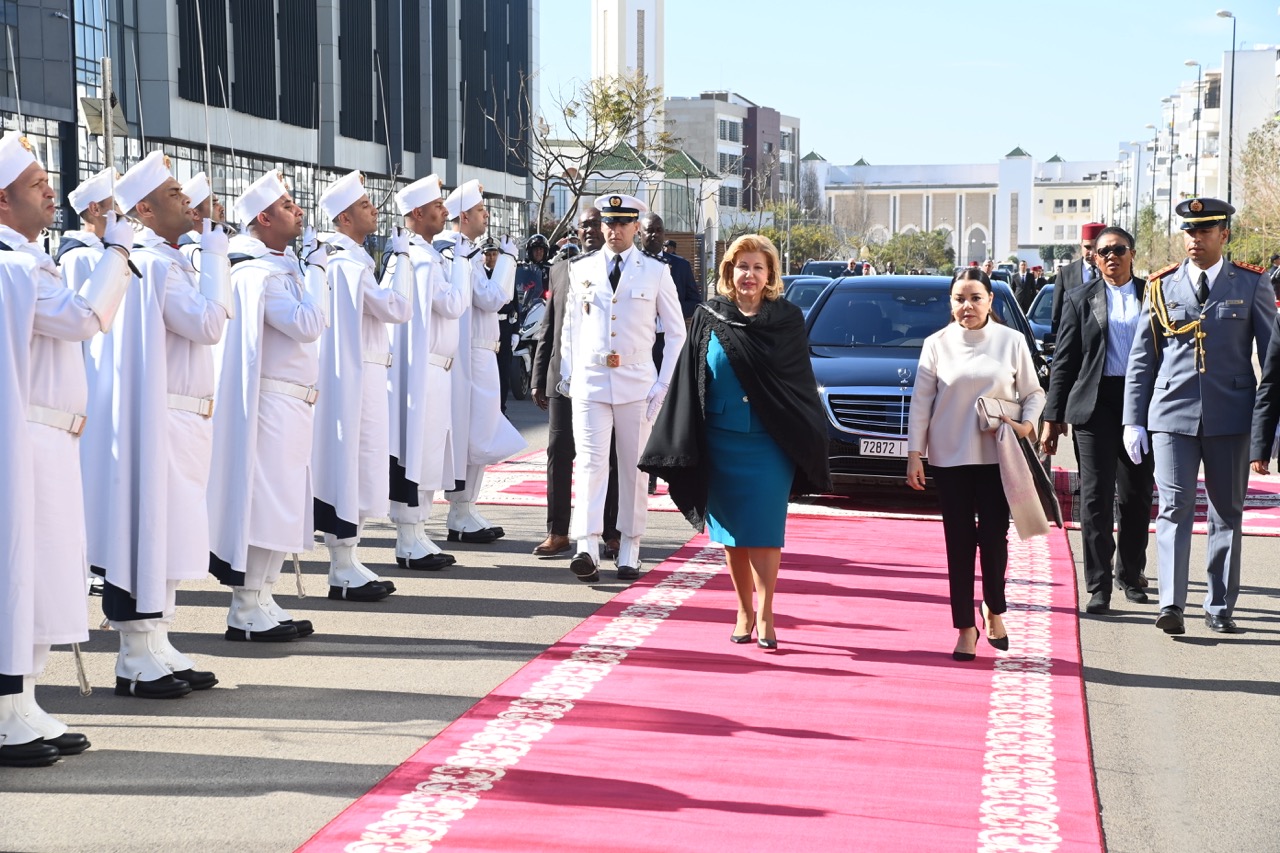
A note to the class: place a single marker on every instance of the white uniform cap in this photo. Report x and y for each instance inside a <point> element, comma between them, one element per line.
<point>342,193</point>
<point>16,155</point>
<point>616,207</point>
<point>463,198</point>
<point>197,189</point>
<point>261,194</point>
<point>97,188</point>
<point>143,179</point>
<point>418,193</point>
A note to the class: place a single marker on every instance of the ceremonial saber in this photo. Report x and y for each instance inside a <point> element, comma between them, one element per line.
<point>204,90</point>
<point>386,131</point>
<point>17,93</point>
<point>297,576</point>
<point>137,96</point>
<point>231,143</point>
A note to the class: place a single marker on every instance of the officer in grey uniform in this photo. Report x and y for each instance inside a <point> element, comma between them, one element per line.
<point>1190,387</point>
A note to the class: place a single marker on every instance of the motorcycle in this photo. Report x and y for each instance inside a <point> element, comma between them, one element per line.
<point>532,308</point>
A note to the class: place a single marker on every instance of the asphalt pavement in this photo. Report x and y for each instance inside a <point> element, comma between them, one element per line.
<point>1184,730</point>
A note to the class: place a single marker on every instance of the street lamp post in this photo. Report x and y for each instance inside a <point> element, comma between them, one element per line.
<point>1173,119</point>
<point>1137,176</point>
<point>1231,100</point>
<point>1195,174</point>
<point>1155,155</point>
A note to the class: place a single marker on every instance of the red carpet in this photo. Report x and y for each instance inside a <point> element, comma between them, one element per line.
<point>1261,504</point>
<point>644,729</point>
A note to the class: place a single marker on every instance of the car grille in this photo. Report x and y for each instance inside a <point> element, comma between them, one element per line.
<point>871,413</point>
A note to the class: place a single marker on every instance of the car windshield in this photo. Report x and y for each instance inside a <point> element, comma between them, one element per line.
<point>1042,310</point>
<point>804,294</point>
<point>831,269</point>
<point>885,317</point>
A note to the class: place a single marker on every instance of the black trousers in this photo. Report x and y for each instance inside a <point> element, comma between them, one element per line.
<point>505,358</point>
<point>560,453</point>
<point>1107,473</point>
<point>966,492</point>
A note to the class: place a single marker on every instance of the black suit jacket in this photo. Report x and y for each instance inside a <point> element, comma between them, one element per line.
<point>1081,353</point>
<point>546,360</point>
<point>1071,276</point>
<point>1266,405</point>
<point>1024,289</point>
<point>686,286</point>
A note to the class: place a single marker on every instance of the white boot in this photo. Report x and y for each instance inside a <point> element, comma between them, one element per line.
<point>408,547</point>
<point>16,731</point>
<point>140,672</point>
<point>175,660</point>
<point>36,717</point>
<point>249,619</point>
<point>349,580</point>
<point>425,540</point>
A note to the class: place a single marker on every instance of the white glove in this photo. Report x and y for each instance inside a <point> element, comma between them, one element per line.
<point>399,243</point>
<point>562,388</point>
<point>657,394</point>
<point>213,239</point>
<point>1135,443</point>
<point>509,246</point>
<point>515,341</point>
<point>119,232</point>
<point>314,253</point>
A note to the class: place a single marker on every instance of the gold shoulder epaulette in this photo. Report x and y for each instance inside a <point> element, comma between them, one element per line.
<point>1249,267</point>
<point>1164,272</point>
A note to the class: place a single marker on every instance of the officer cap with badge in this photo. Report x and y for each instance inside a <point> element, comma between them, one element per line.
<point>618,208</point>
<point>1204,213</point>
<point>16,156</point>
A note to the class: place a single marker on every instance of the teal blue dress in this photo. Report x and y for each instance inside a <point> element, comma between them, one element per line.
<point>751,476</point>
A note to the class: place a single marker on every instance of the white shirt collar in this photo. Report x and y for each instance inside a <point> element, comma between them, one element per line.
<point>625,255</point>
<point>19,243</point>
<point>1212,271</point>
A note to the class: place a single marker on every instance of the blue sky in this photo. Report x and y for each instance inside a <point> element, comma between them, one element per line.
<point>926,81</point>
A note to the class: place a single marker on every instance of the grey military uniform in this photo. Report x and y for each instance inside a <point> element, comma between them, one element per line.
<point>1196,416</point>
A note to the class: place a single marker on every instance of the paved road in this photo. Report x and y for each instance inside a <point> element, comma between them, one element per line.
<point>1184,731</point>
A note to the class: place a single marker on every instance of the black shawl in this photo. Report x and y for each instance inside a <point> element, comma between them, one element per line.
<point>769,354</point>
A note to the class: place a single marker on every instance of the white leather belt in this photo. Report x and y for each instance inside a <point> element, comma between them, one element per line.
<point>305,393</point>
<point>202,406</point>
<point>617,359</point>
<point>489,345</point>
<point>382,358</point>
<point>68,421</point>
<point>440,361</point>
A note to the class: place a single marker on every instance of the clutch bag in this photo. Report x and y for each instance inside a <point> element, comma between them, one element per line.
<point>991,408</point>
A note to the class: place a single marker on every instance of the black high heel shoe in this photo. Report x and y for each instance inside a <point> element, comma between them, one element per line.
<point>1001,643</point>
<point>768,645</point>
<point>742,639</point>
<point>968,656</point>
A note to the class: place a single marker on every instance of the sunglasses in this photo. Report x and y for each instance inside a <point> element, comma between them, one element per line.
<point>1108,251</point>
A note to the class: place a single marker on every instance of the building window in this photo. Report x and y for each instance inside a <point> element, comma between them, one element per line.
<point>728,196</point>
<point>1058,232</point>
<point>1057,205</point>
<point>1084,204</point>
<point>1071,205</point>
<point>1072,232</point>
<point>784,142</point>
<point>724,130</point>
<point>730,164</point>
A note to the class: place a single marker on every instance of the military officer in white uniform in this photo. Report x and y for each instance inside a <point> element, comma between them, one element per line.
<point>349,455</point>
<point>85,242</point>
<point>616,297</point>
<point>423,355</point>
<point>1189,392</point>
<point>203,206</point>
<point>43,382</point>
<point>148,438</point>
<point>481,433</point>
<point>260,490</point>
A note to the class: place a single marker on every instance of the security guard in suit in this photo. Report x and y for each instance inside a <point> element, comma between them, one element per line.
<point>616,296</point>
<point>1190,385</point>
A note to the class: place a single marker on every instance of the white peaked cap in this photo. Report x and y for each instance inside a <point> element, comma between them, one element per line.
<point>96,188</point>
<point>342,193</point>
<point>418,193</point>
<point>463,198</point>
<point>16,155</point>
<point>197,189</point>
<point>261,194</point>
<point>144,178</point>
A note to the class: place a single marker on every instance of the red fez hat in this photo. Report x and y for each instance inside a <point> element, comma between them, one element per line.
<point>1091,230</point>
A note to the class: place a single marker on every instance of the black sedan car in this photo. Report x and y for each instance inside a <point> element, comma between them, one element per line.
<point>803,291</point>
<point>865,338</point>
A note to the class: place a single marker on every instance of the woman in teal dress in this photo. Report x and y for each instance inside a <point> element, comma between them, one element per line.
<point>742,428</point>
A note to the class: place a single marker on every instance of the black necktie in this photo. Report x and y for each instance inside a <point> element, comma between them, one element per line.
<point>615,274</point>
<point>1202,289</point>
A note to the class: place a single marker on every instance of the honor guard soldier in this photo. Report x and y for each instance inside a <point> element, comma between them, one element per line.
<point>616,298</point>
<point>79,249</point>
<point>423,356</point>
<point>148,438</point>
<point>349,456</point>
<point>43,390</point>
<point>200,196</point>
<point>260,490</point>
<point>481,434</point>
<point>1190,392</point>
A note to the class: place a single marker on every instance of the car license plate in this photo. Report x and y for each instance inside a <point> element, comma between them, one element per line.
<point>882,446</point>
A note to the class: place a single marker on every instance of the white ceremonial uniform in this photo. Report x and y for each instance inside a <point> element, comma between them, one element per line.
<point>148,438</point>
<point>189,246</point>
<point>349,457</point>
<point>260,492</point>
<point>605,326</point>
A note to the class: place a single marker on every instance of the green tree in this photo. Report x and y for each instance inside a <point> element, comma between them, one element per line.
<point>913,250</point>
<point>1255,230</point>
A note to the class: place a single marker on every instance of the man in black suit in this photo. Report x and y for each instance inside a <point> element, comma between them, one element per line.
<point>1024,286</point>
<point>652,233</point>
<point>1086,390</point>
<point>1078,272</point>
<point>560,446</point>
<point>1273,275</point>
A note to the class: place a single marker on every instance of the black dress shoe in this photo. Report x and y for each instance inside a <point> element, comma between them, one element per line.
<point>610,549</point>
<point>68,743</point>
<point>281,633</point>
<point>476,537</point>
<point>1099,603</point>
<point>37,753</point>
<point>768,645</point>
<point>497,532</point>
<point>1135,595</point>
<point>1221,624</point>
<point>304,626</point>
<point>1170,620</point>
<point>429,563</point>
<point>628,573</point>
<point>584,567</point>
<point>197,680</point>
<point>168,687</point>
<point>372,591</point>
<point>743,639</point>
